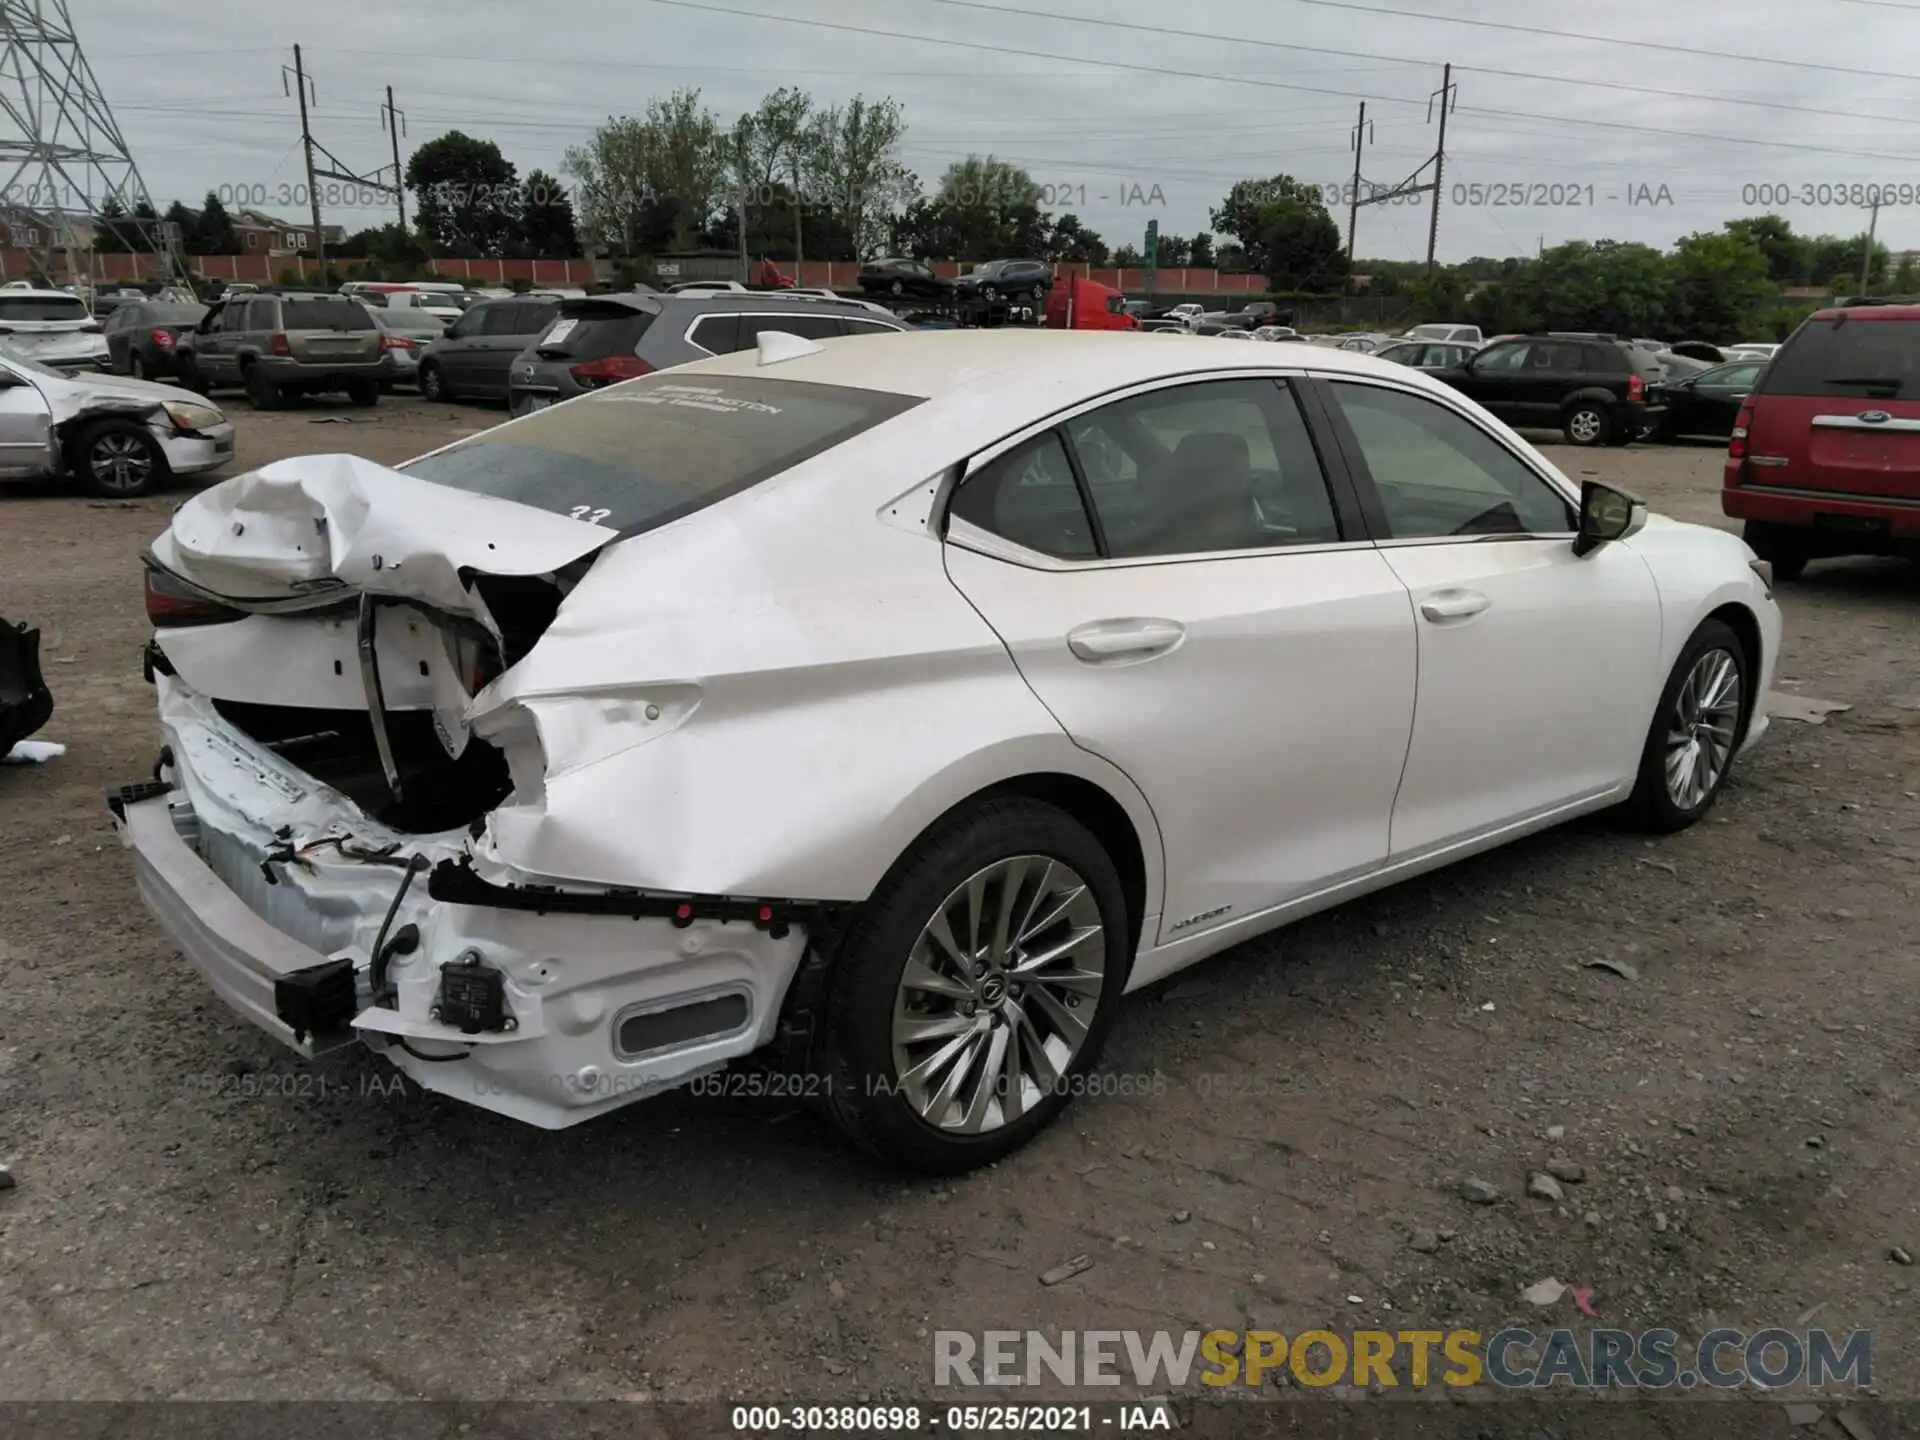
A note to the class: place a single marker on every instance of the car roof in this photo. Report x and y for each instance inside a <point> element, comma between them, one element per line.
<point>1868,312</point>
<point>1025,364</point>
<point>41,294</point>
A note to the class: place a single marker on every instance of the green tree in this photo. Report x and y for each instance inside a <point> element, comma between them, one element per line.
<point>112,230</point>
<point>1786,253</point>
<point>215,234</point>
<point>145,228</point>
<point>1906,275</point>
<point>1285,230</point>
<point>1602,285</point>
<point>1719,284</point>
<point>466,197</point>
<point>654,180</point>
<point>858,171</point>
<point>1128,258</point>
<point>186,224</point>
<point>1070,242</point>
<point>546,218</point>
<point>1200,253</point>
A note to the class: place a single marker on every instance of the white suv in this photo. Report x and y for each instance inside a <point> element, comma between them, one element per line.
<point>53,328</point>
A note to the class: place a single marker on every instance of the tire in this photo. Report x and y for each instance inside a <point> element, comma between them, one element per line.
<point>261,391</point>
<point>1039,296</point>
<point>136,367</point>
<point>117,460</point>
<point>433,384</point>
<point>989,293</point>
<point>1586,425</point>
<point>1780,546</point>
<point>190,377</point>
<point>364,393</point>
<point>897,288</point>
<point>1043,850</point>
<point>1712,734</point>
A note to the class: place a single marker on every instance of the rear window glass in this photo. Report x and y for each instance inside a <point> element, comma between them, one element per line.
<point>42,307</point>
<point>592,332</point>
<point>644,453</point>
<point>1850,356</point>
<point>323,312</point>
<point>175,314</point>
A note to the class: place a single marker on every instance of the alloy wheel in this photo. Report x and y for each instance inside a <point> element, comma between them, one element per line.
<point>998,994</point>
<point>120,461</point>
<point>1584,426</point>
<point>1706,711</point>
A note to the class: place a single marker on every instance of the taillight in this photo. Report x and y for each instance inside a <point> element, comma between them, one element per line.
<point>92,327</point>
<point>610,370</point>
<point>1737,444</point>
<point>171,604</point>
<point>398,342</point>
<point>162,338</point>
<point>279,343</point>
<point>1636,388</point>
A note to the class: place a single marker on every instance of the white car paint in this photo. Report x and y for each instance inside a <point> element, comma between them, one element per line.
<point>36,402</point>
<point>775,695</point>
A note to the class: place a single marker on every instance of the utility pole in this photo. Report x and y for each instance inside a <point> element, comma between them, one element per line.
<point>300,87</point>
<point>1439,161</point>
<point>1361,136</point>
<point>1866,257</point>
<point>396,123</point>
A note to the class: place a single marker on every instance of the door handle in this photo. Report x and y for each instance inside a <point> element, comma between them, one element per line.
<point>1453,604</point>
<point>1124,639</point>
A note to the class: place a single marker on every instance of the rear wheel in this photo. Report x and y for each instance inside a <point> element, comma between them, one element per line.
<point>897,288</point>
<point>975,989</point>
<point>136,367</point>
<point>1586,424</point>
<point>433,385</point>
<point>363,392</point>
<point>190,376</point>
<point>118,460</point>
<point>261,391</point>
<point>1781,546</point>
<point>1696,728</point>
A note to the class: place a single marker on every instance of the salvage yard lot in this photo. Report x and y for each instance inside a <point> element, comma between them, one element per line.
<point>1284,1139</point>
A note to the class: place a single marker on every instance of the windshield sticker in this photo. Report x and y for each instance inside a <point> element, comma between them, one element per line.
<point>696,397</point>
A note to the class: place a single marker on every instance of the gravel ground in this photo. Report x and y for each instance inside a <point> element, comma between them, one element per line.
<point>199,1216</point>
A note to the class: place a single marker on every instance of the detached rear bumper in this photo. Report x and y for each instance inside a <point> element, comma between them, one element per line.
<point>598,1006</point>
<point>236,952</point>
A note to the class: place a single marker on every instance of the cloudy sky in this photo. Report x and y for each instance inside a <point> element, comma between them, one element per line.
<point>1661,129</point>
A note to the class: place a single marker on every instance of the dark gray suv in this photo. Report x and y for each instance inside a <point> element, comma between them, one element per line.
<point>474,357</point>
<point>604,339</point>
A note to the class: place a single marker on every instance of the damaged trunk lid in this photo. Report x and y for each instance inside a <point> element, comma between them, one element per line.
<point>343,614</point>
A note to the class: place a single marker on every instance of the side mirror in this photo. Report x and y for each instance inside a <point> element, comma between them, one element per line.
<point>1606,515</point>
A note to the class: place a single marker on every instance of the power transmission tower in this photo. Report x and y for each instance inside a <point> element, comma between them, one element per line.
<point>1368,194</point>
<point>395,122</point>
<point>62,155</point>
<point>295,81</point>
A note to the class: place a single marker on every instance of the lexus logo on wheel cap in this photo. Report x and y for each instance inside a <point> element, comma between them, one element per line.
<point>1874,417</point>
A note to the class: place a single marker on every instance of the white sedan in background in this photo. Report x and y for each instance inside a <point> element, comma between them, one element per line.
<point>885,710</point>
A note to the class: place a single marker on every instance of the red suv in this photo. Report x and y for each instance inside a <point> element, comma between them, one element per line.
<point>1825,456</point>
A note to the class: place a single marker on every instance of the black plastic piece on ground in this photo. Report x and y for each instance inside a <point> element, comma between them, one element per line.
<point>25,702</point>
<point>318,1000</point>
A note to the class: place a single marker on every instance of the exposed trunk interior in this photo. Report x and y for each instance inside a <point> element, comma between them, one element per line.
<point>336,747</point>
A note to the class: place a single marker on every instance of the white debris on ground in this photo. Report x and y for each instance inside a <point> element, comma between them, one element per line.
<point>33,752</point>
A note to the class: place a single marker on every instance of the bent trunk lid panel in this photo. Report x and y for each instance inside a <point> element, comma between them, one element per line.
<point>319,525</point>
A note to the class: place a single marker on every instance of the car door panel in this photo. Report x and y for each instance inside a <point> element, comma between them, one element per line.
<point>26,429</point>
<point>1537,666</point>
<point>1261,698</point>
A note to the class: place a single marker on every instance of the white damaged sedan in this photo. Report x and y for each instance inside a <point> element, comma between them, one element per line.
<point>883,711</point>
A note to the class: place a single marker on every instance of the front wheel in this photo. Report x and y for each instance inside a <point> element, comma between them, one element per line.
<point>1586,425</point>
<point>118,460</point>
<point>433,385</point>
<point>975,989</point>
<point>1695,732</point>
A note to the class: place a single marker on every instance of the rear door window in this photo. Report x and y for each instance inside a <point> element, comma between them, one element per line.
<point>593,331</point>
<point>501,320</point>
<point>642,454</point>
<point>324,312</point>
<point>717,334</point>
<point>1852,355</point>
<point>869,327</point>
<point>533,316</point>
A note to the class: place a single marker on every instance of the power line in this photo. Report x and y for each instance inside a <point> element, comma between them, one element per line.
<point>1218,77</point>
<point>1619,85</point>
<point>1692,51</point>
